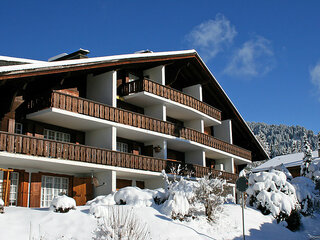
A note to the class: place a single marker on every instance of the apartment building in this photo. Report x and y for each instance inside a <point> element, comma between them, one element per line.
<point>88,126</point>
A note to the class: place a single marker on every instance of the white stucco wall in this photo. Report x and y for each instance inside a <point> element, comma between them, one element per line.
<point>228,165</point>
<point>197,124</point>
<point>107,181</point>
<point>103,88</point>
<point>163,145</point>
<point>224,131</point>
<point>194,91</point>
<point>102,138</point>
<point>196,157</point>
<point>156,74</point>
<point>156,111</point>
<point>154,183</point>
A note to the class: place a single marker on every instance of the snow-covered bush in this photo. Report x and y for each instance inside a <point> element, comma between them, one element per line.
<point>271,193</point>
<point>314,170</point>
<point>190,198</point>
<point>212,193</point>
<point>138,197</point>
<point>307,195</point>
<point>120,223</point>
<point>180,195</point>
<point>102,200</point>
<point>62,204</point>
<point>283,169</point>
<point>1,206</point>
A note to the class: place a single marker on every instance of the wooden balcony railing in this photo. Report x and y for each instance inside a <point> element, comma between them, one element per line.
<point>103,111</point>
<point>22,144</point>
<point>169,93</point>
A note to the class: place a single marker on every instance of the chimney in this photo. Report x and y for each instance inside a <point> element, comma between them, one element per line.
<point>80,54</point>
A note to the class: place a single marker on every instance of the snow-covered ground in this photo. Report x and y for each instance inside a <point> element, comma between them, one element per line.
<point>23,223</point>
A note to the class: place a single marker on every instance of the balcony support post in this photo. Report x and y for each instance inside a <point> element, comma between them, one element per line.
<point>194,91</point>
<point>157,74</point>
<point>224,131</point>
<point>103,88</point>
<point>226,164</point>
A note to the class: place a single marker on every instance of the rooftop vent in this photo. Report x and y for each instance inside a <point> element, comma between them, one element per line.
<point>80,54</point>
<point>144,51</point>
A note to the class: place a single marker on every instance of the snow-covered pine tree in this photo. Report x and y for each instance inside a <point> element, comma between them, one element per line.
<point>307,157</point>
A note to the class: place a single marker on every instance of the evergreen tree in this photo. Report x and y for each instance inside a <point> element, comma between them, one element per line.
<point>307,158</point>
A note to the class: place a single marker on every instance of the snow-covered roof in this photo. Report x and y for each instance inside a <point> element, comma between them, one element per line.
<point>289,160</point>
<point>38,65</point>
<point>19,60</point>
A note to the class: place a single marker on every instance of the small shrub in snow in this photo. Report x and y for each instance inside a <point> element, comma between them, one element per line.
<point>189,198</point>
<point>212,193</point>
<point>181,195</point>
<point>120,223</point>
<point>271,193</point>
<point>62,204</point>
<point>307,194</point>
<point>1,206</point>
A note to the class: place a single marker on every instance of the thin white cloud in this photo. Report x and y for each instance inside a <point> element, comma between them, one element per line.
<point>211,37</point>
<point>254,58</point>
<point>315,76</point>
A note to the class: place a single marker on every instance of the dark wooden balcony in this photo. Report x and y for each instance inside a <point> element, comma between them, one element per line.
<point>22,144</point>
<point>169,93</point>
<point>103,111</point>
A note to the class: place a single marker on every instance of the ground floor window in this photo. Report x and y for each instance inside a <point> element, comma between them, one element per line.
<point>14,181</point>
<point>52,187</point>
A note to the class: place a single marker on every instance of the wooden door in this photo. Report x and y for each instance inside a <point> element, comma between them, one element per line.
<point>23,189</point>
<point>82,190</point>
<point>121,183</point>
<point>35,190</point>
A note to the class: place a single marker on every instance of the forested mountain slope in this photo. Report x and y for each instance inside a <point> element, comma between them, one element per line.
<point>282,139</point>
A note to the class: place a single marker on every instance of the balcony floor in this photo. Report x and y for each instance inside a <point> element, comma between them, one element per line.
<point>84,123</point>
<point>63,166</point>
<point>174,109</point>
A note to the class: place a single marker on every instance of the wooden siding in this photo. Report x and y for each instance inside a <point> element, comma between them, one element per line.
<point>103,111</point>
<point>22,144</point>
<point>169,93</point>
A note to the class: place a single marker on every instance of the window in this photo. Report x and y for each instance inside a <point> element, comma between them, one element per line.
<point>18,128</point>
<point>14,180</point>
<point>1,184</point>
<point>52,187</point>
<point>122,147</point>
<point>57,136</point>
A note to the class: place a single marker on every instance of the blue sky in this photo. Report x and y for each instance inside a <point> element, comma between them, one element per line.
<point>265,54</point>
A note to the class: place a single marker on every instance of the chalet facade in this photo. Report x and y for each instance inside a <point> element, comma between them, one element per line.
<point>88,126</point>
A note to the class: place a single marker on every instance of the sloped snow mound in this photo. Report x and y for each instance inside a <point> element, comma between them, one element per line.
<point>62,204</point>
<point>1,203</point>
<point>134,196</point>
<point>102,200</point>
